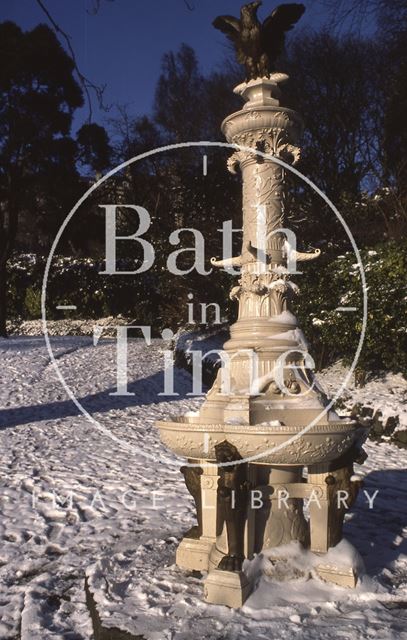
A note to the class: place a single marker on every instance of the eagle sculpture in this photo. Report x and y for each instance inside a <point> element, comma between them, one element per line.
<point>259,45</point>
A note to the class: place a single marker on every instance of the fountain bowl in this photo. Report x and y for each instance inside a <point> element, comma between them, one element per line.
<point>267,443</point>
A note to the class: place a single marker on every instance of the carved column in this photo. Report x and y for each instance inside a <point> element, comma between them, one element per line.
<point>209,487</point>
<point>194,549</point>
<point>232,505</point>
<point>192,477</point>
<point>264,289</point>
<point>336,492</point>
<point>228,584</point>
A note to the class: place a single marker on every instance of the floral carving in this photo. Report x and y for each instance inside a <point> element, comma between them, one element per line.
<point>265,294</point>
<point>274,141</point>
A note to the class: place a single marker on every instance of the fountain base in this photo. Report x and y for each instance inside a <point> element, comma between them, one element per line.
<point>338,575</point>
<point>193,555</point>
<point>230,588</point>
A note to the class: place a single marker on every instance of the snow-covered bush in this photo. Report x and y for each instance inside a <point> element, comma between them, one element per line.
<point>156,299</point>
<point>78,281</point>
<point>334,333</point>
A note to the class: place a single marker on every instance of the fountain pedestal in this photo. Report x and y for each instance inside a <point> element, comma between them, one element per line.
<point>193,551</point>
<point>264,418</point>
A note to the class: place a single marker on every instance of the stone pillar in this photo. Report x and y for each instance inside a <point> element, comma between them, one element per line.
<point>194,550</point>
<point>334,490</point>
<point>335,493</point>
<point>264,290</point>
<point>286,520</point>
<point>209,487</point>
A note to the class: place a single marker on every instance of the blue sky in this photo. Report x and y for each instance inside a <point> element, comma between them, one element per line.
<point>122,45</point>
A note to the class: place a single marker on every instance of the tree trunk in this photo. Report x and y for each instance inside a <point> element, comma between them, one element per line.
<point>7,240</point>
<point>8,232</point>
<point>3,299</point>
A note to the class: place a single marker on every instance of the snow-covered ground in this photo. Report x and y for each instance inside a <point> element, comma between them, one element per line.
<point>386,393</point>
<point>72,499</point>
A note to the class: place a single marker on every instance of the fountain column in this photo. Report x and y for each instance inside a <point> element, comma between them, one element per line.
<point>265,325</point>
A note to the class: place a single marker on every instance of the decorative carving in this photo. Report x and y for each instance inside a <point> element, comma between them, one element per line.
<point>263,294</point>
<point>303,449</point>
<point>329,431</point>
<point>207,483</point>
<point>228,262</point>
<point>290,153</point>
<point>235,292</point>
<point>302,257</point>
<point>257,44</point>
<point>235,160</point>
<point>275,141</point>
<point>192,477</point>
<point>293,386</point>
<point>232,501</point>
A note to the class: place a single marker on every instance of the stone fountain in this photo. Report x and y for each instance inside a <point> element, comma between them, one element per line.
<point>264,421</point>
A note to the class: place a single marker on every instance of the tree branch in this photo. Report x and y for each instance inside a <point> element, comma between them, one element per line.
<point>96,7</point>
<point>87,84</point>
<point>189,5</point>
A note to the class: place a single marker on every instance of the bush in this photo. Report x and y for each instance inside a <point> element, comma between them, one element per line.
<point>333,334</point>
<point>78,282</point>
<point>159,300</point>
<point>32,302</point>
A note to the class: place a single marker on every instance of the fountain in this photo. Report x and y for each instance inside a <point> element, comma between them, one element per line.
<point>265,419</point>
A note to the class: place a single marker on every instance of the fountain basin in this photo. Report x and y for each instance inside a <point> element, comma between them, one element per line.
<point>273,444</point>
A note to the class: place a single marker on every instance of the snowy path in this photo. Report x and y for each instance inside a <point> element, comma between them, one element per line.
<point>69,494</point>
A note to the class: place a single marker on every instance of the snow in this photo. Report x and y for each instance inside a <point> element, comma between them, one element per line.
<point>74,501</point>
<point>386,393</point>
<point>236,421</point>
<point>68,326</point>
<point>292,334</point>
<point>277,283</point>
<point>285,317</point>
